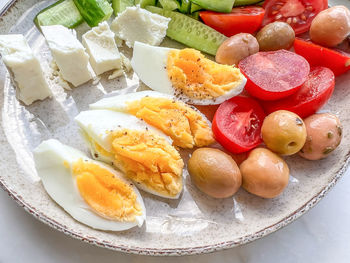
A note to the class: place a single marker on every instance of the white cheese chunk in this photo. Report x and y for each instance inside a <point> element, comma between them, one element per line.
<point>69,54</point>
<point>100,45</point>
<point>137,24</point>
<point>24,68</point>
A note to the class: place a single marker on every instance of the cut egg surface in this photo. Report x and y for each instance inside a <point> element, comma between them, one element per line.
<point>92,192</point>
<point>143,153</point>
<point>184,124</point>
<point>186,74</point>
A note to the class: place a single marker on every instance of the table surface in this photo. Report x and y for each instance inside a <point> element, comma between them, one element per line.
<point>322,236</point>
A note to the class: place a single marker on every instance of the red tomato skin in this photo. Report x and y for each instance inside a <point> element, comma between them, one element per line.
<point>223,133</point>
<point>314,93</point>
<point>301,26</point>
<point>316,55</point>
<point>262,83</point>
<point>238,21</point>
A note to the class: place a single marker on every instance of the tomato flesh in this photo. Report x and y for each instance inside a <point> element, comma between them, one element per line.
<point>275,74</point>
<point>312,95</point>
<point>337,61</point>
<point>297,13</point>
<point>246,19</point>
<point>237,124</point>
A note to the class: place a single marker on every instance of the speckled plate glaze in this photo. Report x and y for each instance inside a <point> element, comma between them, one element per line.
<point>193,224</point>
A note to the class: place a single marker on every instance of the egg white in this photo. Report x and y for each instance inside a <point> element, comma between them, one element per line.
<point>149,63</point>
<point>59,183</point>
<point>97,125</point>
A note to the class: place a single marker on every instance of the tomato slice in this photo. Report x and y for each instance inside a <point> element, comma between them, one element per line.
<point>237,124</point>
<point>312,95</point>
<point>337,61</point>
<point>275,74</point>
<point>246,19</point>
<point>298,13</point>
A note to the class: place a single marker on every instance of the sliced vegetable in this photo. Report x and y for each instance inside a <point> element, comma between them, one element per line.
<point>190,32</point>
<point>297,13</point>
<point>240,20</point>
<point>224,6</point>
<point>144,3</point>
<point>120,5</point>
<point>94,11</point>
<point>275,74</point>
<point>338,61</point>
<point>169,4</point>
<point>312,95</point>
<point>237,124</point>
<point>185,6</point>
<point>63,12</point>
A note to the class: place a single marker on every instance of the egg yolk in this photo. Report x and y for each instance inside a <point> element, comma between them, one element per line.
<point>107,195</point>
<point>185,126</point>
<point>198,77</point>
<point>149,160</point>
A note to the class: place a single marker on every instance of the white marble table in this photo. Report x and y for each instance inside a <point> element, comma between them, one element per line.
<point>322,236</point>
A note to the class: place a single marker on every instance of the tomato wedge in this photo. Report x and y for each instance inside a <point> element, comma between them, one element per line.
<point>337,61</point>
<point>237,124</point>
<point>246,19</point>
<point>275,74</point>
<point>298,13</point>
<point>312,95</point>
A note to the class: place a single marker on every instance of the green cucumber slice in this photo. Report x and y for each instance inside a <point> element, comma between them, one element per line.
<point>94,11</point>
<point>169,4</point>
<point>63,12</point>
<point>245,2</point>
<point>190,32</point>
<point>144,3</point>
<point>185,6</point>
<point>120,5</point>
<point>224,6</point>
<point>195,8</point>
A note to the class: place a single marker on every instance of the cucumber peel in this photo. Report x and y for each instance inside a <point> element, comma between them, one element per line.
<point>120,5</point>
<point>190,32</point>
<point>185,6</point>
<point>94,11</point>
<point>63,12</point>
<point>195,8</point>
<point>246,2</point>
<point>224,6</point>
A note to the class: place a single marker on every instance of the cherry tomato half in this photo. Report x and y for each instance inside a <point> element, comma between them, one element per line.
<point>298,13</point>
<point>275,74</point>
<point>312,95</point>
<point>237,124</point>
<point>246,19</point>
<point>337,61</point>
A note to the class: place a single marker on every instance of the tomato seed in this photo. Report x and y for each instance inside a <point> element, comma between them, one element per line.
<point>289,20</point>
<point>309,8</point>
<point>295,20</point>
<point>274,12</point>
<point>279,16</point>
<point>303,17</point>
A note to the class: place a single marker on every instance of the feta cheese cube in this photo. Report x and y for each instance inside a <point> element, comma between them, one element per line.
<point>100,45</point>
<point>24,67</point>
<point>69,54</point>
<point>137,24</point>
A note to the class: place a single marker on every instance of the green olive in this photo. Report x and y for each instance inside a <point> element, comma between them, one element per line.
<point>214,172</point>
<point>284,132</point>
<point>275,36</point>
<point>264,173</point>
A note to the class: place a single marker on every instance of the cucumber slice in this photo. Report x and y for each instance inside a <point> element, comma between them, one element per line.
<point>63,12</point>
<point>120,5</point>
<point>144,3</point>
<point>169,4</point>
<point>190,32</point>
<point>185,6</point>
<point>195,8</point>
<point>224,6</point>
<point>246,2</point>
<point>94,11</point>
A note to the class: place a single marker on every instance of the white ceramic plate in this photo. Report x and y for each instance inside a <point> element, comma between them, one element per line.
<point>191,225</point>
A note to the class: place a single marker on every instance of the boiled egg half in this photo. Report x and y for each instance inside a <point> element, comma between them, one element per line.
<point>187,74</point>
<point>184,124</point>
<point>143,153</point>
<point>91,192</point>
